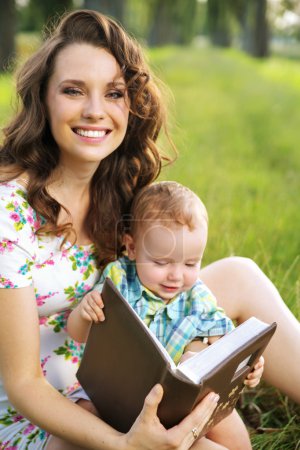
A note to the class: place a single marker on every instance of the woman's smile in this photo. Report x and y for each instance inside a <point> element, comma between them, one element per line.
<point>92,135</point>
<point>87,104</point>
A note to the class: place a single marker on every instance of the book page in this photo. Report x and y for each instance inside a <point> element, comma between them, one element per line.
<point>200,364</point>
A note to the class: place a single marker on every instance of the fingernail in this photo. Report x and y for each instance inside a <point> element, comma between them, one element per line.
<point>214,397</point>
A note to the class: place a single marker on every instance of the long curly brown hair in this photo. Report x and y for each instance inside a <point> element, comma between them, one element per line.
<point>29,145</point>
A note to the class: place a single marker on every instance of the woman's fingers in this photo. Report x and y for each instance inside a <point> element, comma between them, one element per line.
<point>191,427</point>
<point>149,411</point>
<point>147,433</point>
<point>201,414</point>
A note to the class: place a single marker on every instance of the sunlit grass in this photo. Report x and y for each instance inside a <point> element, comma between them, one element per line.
<point>237,130</point>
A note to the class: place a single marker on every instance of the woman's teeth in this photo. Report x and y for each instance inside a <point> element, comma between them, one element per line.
<point>90,133</point>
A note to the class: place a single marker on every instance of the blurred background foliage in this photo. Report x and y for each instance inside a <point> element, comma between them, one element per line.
<point>251,25</point>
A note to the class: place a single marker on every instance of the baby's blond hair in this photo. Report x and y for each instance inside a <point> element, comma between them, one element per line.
<point>167,201</point>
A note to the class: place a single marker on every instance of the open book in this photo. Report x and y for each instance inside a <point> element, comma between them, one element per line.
<point>123,360</point>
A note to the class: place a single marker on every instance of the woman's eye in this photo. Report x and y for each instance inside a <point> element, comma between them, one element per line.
<point>72,91</point>
<point>115,95</point>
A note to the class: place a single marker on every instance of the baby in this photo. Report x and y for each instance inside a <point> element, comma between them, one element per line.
<point>159,277</point>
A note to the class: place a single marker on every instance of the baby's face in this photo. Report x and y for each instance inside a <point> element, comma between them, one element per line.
<point>168,258</point>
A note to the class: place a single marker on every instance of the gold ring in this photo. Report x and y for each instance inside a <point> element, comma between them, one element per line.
<point>195,433</point>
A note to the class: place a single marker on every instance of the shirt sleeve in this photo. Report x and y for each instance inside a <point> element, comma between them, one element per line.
<point>117,274</point>
<point>17,240</point>
<point>212,318</point>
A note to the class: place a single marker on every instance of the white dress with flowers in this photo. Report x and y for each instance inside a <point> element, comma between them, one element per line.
<point>60,277</point>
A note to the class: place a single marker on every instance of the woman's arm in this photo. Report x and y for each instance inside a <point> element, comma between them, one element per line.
<point>38,401</point>
<point>25,384</point>
<point>243,290</point>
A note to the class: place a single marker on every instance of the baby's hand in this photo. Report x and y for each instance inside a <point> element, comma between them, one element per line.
<point>91,307</point>
<point>255,375</point>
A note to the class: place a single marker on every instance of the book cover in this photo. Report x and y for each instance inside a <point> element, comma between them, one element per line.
<point>123,360</point>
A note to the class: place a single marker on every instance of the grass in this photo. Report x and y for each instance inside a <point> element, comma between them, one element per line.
<point>237,129</point>
<point>236,125</point>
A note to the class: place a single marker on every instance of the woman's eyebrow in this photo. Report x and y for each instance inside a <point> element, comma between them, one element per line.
<point>77,82</point>
<point>114,83</point>
<point>117,83</point>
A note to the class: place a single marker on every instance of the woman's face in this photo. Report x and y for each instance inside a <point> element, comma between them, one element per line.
<point>87,104</point>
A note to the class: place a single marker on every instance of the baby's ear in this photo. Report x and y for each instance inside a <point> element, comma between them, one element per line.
<point>130,247</point>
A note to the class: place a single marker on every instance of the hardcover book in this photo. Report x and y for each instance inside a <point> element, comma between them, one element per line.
<point>123,360</point>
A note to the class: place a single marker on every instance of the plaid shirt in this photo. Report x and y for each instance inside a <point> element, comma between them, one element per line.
<point>189,315</point>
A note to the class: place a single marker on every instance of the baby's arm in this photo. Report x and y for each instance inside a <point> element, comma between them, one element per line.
<point>89,310</point>
<point>253,378</point>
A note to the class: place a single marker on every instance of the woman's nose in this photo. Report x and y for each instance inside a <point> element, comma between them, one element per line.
<point>94,108</point>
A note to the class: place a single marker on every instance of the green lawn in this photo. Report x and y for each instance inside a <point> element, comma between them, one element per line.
<point>236,123</point>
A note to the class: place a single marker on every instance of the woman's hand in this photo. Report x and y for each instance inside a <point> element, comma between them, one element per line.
<point>147,433</point>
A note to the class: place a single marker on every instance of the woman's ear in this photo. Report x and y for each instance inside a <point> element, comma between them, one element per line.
<point>130,246</point>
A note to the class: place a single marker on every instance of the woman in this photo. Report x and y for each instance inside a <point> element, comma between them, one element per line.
<point>72,159</point>
<point>82,144</point>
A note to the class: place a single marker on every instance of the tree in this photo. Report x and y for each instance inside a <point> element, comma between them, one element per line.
<point>7,33</point>
<point>38,13</point>
<point>172,21</point>
<point>218,22</point>
<point>255,29</point>
<point>251,15</point>
<point>114,8</point>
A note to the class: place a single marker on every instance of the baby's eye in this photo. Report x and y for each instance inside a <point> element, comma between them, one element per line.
<point>194,264</point>
<point>72,91</point>
<point>160,263</point>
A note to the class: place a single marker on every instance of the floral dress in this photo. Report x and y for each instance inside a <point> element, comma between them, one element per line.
<point>60,277</point>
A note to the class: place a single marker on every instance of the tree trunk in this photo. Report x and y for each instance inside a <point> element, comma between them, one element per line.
<point>113,8</point>
<point>162,30</point>
<point>7,34</point>
<point>218,22</point>
<point>255,38</point>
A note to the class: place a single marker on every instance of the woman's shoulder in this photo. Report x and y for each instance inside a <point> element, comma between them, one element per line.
<point>15,208</point>
<point>13,195</point>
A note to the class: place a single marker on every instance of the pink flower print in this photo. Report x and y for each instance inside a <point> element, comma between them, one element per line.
<point>28,429</point>
<point>43,320</point>
<point>15,217</point>
<point>65,254</point>
<point>43,363</point>
<point>17,418</point>
<point>72,388</point>
<point>5,444</point>
<point>30,219</point>
<point>34,222</point>
<point>41,299</point>
<point>75,360</point>
<point>6,283</point>
<point>48,262</point>
<point>6,245</point>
